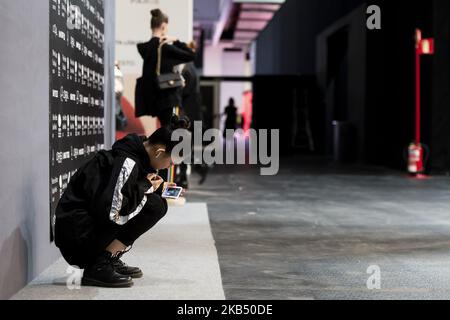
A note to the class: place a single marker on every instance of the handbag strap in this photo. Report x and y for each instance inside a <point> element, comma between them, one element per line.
<point>158,65</point>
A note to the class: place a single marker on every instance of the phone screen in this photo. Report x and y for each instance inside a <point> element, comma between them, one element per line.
<point>172,192</point>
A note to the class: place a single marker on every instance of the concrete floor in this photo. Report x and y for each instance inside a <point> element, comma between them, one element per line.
<point>178,258</point>
<point>313,231</point>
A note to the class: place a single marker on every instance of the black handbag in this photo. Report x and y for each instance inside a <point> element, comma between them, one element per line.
<point>171,80</point>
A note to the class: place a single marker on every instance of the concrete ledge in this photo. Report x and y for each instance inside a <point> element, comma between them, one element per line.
<point>178,257</point>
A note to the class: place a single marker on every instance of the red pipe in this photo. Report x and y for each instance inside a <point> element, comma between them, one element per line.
<point>418,96</point>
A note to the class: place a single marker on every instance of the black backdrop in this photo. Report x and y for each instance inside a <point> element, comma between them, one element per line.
<point>440,135</point>
<point>76,89</point>
<point>288,47</point>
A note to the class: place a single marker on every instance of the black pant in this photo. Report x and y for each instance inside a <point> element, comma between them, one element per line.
<point>84,255</point>
<point>154,210</point>
<point>165,117</point>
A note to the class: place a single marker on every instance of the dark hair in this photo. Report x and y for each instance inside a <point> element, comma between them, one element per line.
<point>158,18</point>
<point>163,135</point>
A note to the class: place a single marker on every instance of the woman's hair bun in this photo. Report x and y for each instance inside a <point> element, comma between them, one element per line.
<point>158,18</point>
<point>163,136</point>
<point>156,13</point>
<point>180,123</point>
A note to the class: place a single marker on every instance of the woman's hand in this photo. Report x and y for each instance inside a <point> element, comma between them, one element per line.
<point>168,39</point>
<point>169,185</point>
<point>172,185</point>
<point>155,180</point>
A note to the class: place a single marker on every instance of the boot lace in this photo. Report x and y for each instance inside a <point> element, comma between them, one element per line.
<point>115,259</point>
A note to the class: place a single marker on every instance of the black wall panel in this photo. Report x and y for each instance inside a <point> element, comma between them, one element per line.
<point>76,89</point>
<point>440,145</point>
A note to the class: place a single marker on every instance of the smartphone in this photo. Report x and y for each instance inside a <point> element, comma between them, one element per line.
<point>172,192</point>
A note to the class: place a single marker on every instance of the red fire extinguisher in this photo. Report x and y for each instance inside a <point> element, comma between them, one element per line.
<point>416,158</point>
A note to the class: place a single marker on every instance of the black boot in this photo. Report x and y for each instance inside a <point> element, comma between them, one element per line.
<point>103,274</point>
<point>122,268</point>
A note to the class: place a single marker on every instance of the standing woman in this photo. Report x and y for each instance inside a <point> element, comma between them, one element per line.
<point>231,117</point>
<point>112,201</point>
<point>174,54</point>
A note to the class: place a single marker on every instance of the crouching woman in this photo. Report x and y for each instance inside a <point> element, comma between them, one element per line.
<point>110,202</point>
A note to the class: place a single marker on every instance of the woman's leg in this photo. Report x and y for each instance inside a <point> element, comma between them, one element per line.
<point>116,239</point>
<point>154,210</point>
<point>100,252</point>
<point>165,117</point>
<point>116,247</point>
<point>108,270</point>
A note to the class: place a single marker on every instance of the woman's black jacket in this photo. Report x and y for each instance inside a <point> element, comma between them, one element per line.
<point>109,189</point>
<point>157,101</point>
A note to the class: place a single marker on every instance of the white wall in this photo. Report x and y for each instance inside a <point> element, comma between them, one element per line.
<point>25,247</point>
<point>219,63</point>
<point>212,64</point>
<point>110,49</point>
